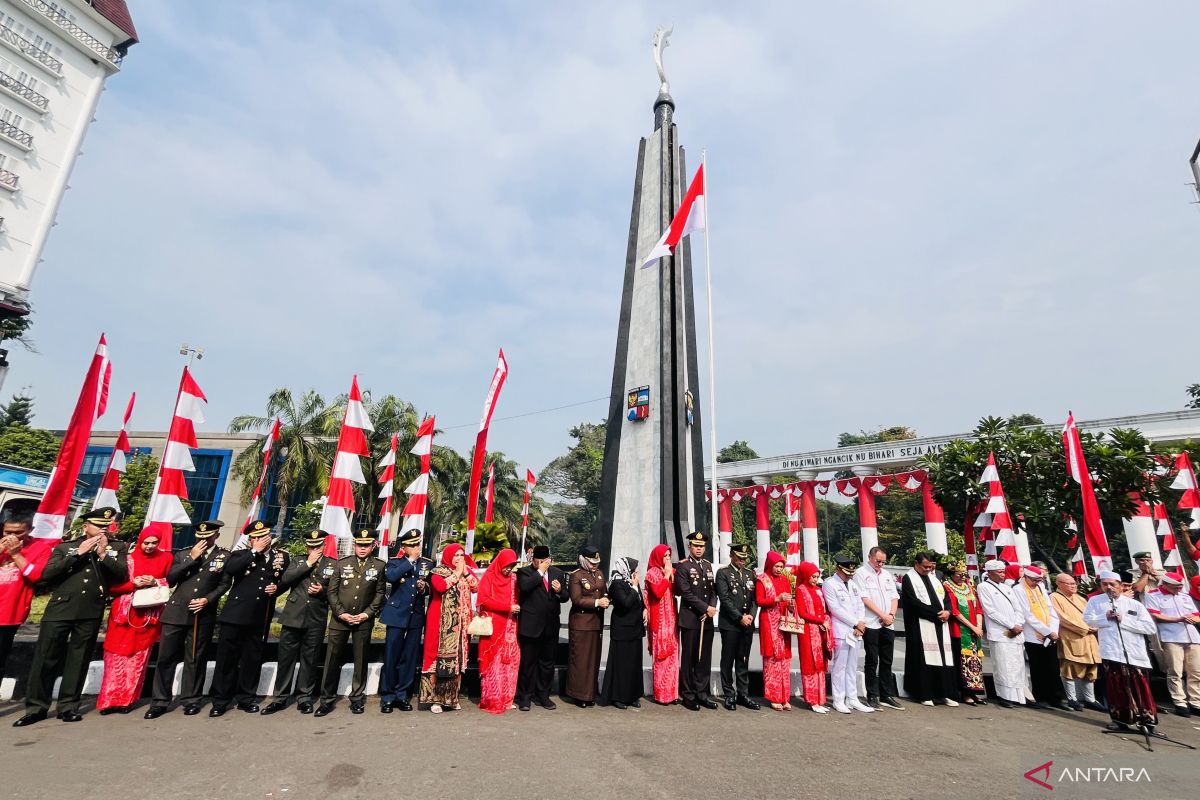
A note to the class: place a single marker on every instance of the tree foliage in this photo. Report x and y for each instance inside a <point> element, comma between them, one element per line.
<point>1193,393</point>
<point>134,497</point>
<point>575,477</point>
<point>17,411</point>
<point>740,450</point>
<point>32,448</point>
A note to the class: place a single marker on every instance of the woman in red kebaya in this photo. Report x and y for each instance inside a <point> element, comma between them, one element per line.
<point>815,643</point>
<point>773,593</point>
<point>662,640</point>
<point>499,654</point>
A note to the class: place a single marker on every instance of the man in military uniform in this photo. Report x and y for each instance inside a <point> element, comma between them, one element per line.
<point>404,616</point>
<point>356,593</point>
<point>735,590</point>
<point>304,618</point>
<point>188,619</point>
<point>697,612</point>
<point>78,573</point>
<point>244,619</point>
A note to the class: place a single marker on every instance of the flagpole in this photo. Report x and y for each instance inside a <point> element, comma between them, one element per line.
<point>712,375</point>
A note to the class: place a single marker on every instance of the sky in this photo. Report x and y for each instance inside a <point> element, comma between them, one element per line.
<point>921,213</point>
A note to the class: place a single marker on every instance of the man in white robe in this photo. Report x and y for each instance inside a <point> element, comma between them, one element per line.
<point>843,600</point>
<point>1124,624</point>
<point>1003,623</point>
<point>1041,638</point>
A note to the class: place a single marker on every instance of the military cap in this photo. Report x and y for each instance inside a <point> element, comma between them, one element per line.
<point>1142,554</point>
<point>740,550</point>
<point>257,529</point>
<point>590,553</point>
<point>209,528</point>
<point>410,538</point>
<point>103,516</point>
<point>364,537</point>
<point>314,539</point>
<point>846,562</point>
<point>697,537</point>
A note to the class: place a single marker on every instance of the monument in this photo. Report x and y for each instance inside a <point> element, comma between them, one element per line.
<point>652,488</point>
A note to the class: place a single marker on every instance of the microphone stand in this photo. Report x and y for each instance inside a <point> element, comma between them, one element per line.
<point>1143,720</point>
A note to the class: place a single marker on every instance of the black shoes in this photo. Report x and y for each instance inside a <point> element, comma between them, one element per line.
<point>1000,701</point>
<point>746,702</point>
<point>29,719</point>
<point>1039,705</point>
<point>274,707</point>
<point>548,704</point>
<point>524,706</point>
<point>154,712</point>
<point>586,703</point>
<point>709,704</point>
<point>191,709</point>
<point>323,709</point>
<point>304,707</point>
<point>889,702</point>
<point>385,706</point>
<point>1063,705</point>
<point>249,708</point>
<point>730,704</point>
<point>620,706</point>
<point>404,705</point>
<point>70,716</point>
<point>1183,711</point>
<point>358,707</point>
<point>215,711</point>
<point>690,705</point>
<point>1092,705</point>
<point>636,704</point>
<point>1075,705</point>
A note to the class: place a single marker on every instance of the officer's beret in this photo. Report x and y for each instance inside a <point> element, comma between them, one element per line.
<point>103,516</point>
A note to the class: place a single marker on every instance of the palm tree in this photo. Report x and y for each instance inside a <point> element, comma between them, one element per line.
<point>510,496</point>
<point>304,453</point>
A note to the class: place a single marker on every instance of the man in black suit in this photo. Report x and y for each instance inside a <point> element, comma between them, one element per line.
<point>541,589</point>
<point>697,591</point>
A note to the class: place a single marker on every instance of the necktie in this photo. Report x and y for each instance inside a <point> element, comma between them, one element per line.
<point>546,582</point>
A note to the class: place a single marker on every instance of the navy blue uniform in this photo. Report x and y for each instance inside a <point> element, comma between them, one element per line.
<point>404,616</point>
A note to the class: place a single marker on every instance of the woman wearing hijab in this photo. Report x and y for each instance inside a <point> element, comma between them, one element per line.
<point>499,654</point>
<point>773,593</point>
<point>966,633</point>
<point>662,642</point>
<point>132,632</point>
<point>446,623</point>
<point>815,642</point>
<point>623,674</point>
<point>585,625</point>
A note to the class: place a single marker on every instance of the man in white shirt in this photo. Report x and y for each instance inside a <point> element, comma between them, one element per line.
<point>1041,639</point>
<point>843,600</point>
<point>1124,625</point>
<point>1175,613</point>
<point>1004,624</point>
<point>880,599</point>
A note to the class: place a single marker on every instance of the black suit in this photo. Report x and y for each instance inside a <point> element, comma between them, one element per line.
<point>303,618</point>
<point>243,620</point>
<point>735,589</point>
<point>697,593</point>
<point>186,636</point>
<point>537,630</point>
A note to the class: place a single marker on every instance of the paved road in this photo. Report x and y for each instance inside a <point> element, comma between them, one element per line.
<point>654,752</point>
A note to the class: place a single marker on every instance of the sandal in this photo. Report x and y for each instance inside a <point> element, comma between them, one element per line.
<point>456,707</point>
<point>777,706</point>
<point>435,709</point>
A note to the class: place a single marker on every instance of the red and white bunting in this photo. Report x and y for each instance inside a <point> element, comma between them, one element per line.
<point>106,495</point>
<point>1093,526</point>
<point>690,217</point>
<point>489,501</point>
<point>256,498</point>
<point>489,407</point>
<point>995,516</point>
<point>418,490</point>
<point>1078,567</point>
<point>848,487</point>
<point>51,517</point>
<point>877,484</point>
<point>1170,549</point>
<point>170,489</point>
<point>822,487</point>
<point>911,481</point>
<point>1185,480</point>
<point>530,482</point>
<point>347,470</point>
<point>1139,530</point>
<point>387,481</point>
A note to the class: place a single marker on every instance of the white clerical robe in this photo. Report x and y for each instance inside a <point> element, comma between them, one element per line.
<point>1136,624</point>
<point>1001,613</point>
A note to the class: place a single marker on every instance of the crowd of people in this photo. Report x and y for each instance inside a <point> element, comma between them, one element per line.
<point>1047,649</point>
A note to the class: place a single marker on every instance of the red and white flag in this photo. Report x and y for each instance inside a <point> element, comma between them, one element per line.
<point>791,508</point>
<point>1162,526</point>
<point>489,503</point>
<point>690,217</point>
<point>1185,479</point>
<point>170,489</point>
<point>1093,527</point>
<point>106,496</point>
<point>995,516</point>
<point>347,470</point>
<point>388,482</point>
<point>418,490</point>
<point>1078,568</point>
<point>256,499</point>
<point>51,516</point>
<point>489,407</point>
<point>530,482</point>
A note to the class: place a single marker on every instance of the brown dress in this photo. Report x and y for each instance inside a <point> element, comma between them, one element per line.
<point>1078,647</point>
<point>584,626</point>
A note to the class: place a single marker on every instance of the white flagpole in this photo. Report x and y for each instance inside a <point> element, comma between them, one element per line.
<point>719,554</point>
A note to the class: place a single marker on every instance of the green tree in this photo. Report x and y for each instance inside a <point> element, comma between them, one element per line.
<point>575,477</point>
<point>1025,419</point>
<point>16,329</point>
<point>900,515</point>
<point>1193,393</point>
<point>31,448</point>
<point>740,450</point>
<point>18,411</point>
<point>895,433</point>
<point>134,497</point>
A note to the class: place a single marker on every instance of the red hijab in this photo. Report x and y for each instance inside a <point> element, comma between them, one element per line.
<point>806,570</point>
<point>494,578</point>
<point>780,582</point>
<point>157,564</point>
<point>656,556</point>
<point>451,551</point>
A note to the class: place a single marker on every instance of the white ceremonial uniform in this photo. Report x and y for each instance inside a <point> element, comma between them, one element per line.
<point>1001,613</point>
<point>844,602</point>
<point>879,588</point>
<point>1180,645</point>
<point>1035,631</point>
<point>1135,626</point>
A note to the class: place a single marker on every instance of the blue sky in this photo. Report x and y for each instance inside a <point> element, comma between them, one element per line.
<point>921,212</point>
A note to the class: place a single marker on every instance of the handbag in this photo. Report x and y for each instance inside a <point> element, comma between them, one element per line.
<point>481,625</point>
<point>790,624</point>
<point>151,596</point>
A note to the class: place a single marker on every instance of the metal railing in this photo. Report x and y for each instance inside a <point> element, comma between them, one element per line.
<point>16,134</point>
<point>16,87</point>
<point>28,48</point>
<point>9,179</point>
<point>79,34</point>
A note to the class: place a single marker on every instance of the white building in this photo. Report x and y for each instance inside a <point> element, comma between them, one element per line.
<point>54,59</point>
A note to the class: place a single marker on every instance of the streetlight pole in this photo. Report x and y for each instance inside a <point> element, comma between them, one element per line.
<point>191,352</point>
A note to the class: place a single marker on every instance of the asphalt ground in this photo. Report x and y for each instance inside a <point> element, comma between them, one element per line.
<point>651,752</point>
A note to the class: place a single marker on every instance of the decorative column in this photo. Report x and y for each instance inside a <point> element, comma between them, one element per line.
<point>791,506</point>
<point>1139,531</point>
<point>724,525</point>
<point>762,518</point>
<point>808,517</point>
<point>867,527</point>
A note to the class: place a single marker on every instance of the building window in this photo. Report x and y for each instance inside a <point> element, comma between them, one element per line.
<point>205,487</point>
<point>95,464</point>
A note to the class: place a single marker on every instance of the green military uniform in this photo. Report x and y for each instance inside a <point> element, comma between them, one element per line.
<point>735,590</point>
<point>356,587</point>
<point>78,595</point>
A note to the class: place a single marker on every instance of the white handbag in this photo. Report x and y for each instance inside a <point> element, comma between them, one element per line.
<point>151,596</point>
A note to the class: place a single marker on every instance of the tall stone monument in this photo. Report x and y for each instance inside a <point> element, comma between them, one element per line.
<point>652,489</point>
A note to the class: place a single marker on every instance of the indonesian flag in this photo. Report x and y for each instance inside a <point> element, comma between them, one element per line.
<point>111,484</point>
<point>791,507</point>
<point>995,516</point>
<point>256,499</point>
<point>1078,568</point>
<point>51,516</point>
<point>688,218</point>
<point>530,482</point>
<point>1162,526</point>
<point>170,489</point>
<point>1093,527</point>
<point>1186,480</point>
<point>418,490</point>
<point>489,407</point>
<point>490,500</point>
<point>347,470</point>
<point>388,482</point>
